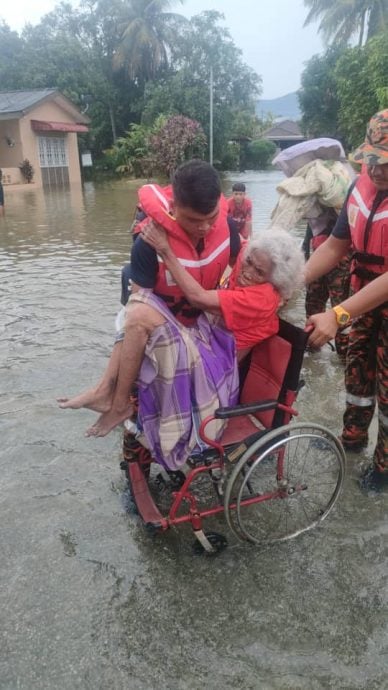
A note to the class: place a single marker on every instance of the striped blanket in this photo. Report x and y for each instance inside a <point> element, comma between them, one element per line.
<point>186,374</point>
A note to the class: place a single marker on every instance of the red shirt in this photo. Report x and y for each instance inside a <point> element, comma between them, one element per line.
<point>250,312</point>
<point>240,214</point>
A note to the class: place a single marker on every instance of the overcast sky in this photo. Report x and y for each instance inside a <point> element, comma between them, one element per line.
<point>269,32</point>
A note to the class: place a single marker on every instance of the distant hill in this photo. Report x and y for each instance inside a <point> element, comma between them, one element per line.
<point>284,106</point>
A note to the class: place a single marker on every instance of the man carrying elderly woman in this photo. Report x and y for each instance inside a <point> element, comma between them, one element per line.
<point>175,340</point>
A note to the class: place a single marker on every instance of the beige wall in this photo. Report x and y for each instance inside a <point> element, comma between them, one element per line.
<point>10,156</point>
<point>12,176</point>
<point>26,141</point>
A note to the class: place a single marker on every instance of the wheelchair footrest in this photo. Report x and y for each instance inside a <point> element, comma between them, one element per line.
<point>142,496</point>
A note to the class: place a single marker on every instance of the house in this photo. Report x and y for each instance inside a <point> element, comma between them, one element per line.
<point>284,133</point>
<point>40,125</point>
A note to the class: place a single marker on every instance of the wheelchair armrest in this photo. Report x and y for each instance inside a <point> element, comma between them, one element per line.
<point>245,408</point>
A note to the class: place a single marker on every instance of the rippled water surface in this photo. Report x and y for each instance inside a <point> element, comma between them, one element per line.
<point>88,598</point>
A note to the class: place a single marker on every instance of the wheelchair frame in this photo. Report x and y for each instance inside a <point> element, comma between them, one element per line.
<point>296,468</point>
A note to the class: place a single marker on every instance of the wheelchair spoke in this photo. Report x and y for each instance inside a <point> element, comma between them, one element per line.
<point>301,496</point>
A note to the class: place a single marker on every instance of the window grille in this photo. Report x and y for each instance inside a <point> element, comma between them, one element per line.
<point>52,152</point>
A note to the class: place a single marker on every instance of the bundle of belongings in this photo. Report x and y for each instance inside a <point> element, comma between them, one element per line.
<point>318,175</point>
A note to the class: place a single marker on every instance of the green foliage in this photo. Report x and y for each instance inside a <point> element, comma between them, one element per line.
<point>244,123</point>
<point>104,53</point>
<point>146,35</point>
<point>318,97</point>
<point>130,153</point>
<point>342,89</point>
<point>177,140</point>
<point>11,74</point>
<point>27,170</point>
<point>260,153</point>
<point>264,123</point>
<point>231,157</point>
<point>361,79</point>
<point>340,20</point>
<point>186,90</point>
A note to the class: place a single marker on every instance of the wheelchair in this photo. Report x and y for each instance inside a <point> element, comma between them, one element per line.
<point>270,477</point>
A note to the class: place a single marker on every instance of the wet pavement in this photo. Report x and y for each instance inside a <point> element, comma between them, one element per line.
<point>88,598</point>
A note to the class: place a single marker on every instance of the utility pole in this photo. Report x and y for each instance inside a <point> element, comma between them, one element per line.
<point>211,118</point>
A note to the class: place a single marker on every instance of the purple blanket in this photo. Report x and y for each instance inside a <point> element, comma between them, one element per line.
<point>187,373</point>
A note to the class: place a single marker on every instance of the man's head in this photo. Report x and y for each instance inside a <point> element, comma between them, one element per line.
<point>374,151</point>
<point>238,191</point>
<point>196,190</point>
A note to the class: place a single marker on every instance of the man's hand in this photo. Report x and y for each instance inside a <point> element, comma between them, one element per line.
<point>156,237</point>
<point>325,327</point>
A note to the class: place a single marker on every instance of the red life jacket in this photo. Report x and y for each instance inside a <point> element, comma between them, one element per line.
<point>207,267</point>
<point>368,221</point>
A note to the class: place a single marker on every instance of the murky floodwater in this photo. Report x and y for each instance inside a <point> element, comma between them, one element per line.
<point>88,599</point>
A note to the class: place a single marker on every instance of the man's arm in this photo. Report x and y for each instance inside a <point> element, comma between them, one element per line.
<point>325,258</point>
<point>247,229</point>
<point>208,300</point>
<point>371,296</point>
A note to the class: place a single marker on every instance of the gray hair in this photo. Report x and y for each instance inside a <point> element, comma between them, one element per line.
<point>286,258</point>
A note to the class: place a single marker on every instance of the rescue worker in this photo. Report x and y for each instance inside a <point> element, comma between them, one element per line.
<point>318,178</point>
<point>363,222</point>
<point>195,214</point>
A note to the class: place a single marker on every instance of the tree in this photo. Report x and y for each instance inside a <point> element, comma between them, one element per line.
<point>185,88</point>
<point>131,153</point>
<point>260,153</point>
<point>72,50</point>
<point>11,45</point>
<point>360,98</point>
<point>76,50</point>
<point>342,19</point>
<point>343,88</point>
<point>318,97</point>
<point>146,35</point>
<point>176,141</point>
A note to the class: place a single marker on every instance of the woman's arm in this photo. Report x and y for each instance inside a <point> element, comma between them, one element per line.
<point>207,300</point>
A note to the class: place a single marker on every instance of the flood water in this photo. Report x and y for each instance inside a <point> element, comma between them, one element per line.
<point>88,599</point>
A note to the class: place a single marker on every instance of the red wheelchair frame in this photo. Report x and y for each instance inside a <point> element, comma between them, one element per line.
<point>253,467</point>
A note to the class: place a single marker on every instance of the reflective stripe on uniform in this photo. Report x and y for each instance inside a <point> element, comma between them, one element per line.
<point>364,208</point>
<point>358,401</point>
<point>198,263</point>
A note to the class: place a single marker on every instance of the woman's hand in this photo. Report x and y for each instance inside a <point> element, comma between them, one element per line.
<point>325,328</point>
<point>156,237</point>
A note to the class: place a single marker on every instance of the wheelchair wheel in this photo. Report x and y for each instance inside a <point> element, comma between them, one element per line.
<point>284,484</point>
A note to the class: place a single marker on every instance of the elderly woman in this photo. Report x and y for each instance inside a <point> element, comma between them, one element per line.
<point>267,271</point>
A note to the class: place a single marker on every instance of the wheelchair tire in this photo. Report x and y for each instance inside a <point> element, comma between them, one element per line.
<point>297,499</point>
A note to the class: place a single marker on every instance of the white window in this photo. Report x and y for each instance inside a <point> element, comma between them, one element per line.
<point>52,152</point>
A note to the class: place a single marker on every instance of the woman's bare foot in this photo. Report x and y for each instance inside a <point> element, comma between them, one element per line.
<point>108,421</point>
<point>93,399</point>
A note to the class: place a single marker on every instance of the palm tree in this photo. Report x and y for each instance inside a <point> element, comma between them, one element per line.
<point>341,19</point>
<point>148,32</point>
